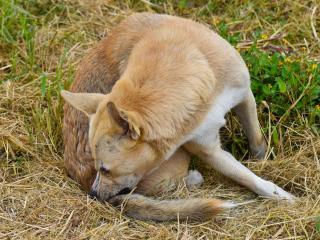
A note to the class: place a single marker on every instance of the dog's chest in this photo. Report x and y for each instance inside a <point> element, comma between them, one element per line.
<point>208,130</point>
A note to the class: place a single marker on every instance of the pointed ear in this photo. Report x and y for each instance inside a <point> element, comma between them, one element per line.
<point>124,120</point>
<point>85,102</point>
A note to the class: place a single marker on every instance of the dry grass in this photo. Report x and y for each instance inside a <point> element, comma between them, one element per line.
<point>38,200</point>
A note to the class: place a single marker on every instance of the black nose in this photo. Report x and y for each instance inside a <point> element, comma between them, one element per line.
<point>124,191</point>
<point>93,194</point>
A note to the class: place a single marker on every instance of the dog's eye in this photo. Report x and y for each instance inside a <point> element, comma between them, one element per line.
<point>104,171</point>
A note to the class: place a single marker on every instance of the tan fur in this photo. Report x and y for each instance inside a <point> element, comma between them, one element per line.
<point>165,178</point>
<point>172,82</point>
<point>144,208</point>
<point>97,73</point>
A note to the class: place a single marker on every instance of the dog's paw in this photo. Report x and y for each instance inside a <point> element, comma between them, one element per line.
<point>270,190</point>
<point>259,151</point>
<point>281,194</point>
<point>194,179</point>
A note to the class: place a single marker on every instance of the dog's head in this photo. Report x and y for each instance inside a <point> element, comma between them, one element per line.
<point>122,157</point>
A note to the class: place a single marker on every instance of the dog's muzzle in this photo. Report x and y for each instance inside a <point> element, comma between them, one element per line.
<point>93,194</point>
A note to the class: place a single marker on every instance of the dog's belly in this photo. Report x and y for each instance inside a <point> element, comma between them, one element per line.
<point>208,131</point>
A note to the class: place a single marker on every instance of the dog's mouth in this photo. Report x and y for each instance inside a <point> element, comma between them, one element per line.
<point>124,191</point>
<point>94,195</point>
<point>119,197</point>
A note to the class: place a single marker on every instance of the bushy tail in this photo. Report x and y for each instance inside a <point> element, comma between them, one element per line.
<point>145,208</point>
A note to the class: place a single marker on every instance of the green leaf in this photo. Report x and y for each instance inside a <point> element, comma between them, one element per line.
<point>282,86</point>
<point>318,225</point>
<point>182,4</point>
<point>211,6</point>
<point>266,90</point>
<point>275,136</point>
<point>43,85</point>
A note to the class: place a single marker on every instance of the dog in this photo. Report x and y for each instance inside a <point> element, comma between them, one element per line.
<point>154,91</point>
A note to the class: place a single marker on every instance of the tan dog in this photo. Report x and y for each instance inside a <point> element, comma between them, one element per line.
<point>173,80</point>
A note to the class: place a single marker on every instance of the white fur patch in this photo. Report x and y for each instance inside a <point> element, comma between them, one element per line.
<point>194,179</point>
<point>228,205</point>
<point>208,130</point>
<point>270,190</point>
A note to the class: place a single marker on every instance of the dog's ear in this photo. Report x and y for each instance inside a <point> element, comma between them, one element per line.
<point>85,102</point>
<point>125,120</point>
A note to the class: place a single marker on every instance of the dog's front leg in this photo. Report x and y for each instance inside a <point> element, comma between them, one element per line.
<point>226,164</point>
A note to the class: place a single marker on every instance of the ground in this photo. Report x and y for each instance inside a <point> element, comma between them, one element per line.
<point>41,42</point>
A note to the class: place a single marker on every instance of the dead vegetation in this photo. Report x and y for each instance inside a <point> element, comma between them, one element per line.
<point>41,44</point>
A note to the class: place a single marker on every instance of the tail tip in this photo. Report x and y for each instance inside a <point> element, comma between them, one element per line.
<point>228,205</point>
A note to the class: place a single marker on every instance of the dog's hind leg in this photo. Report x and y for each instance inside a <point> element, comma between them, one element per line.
<point>167,176</point>
<point>247,113</point>
<point>226,164</point>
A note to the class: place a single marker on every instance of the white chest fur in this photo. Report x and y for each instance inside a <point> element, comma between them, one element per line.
<point>208,130</point>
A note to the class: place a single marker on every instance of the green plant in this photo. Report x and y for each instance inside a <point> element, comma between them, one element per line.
<point>317,226</point>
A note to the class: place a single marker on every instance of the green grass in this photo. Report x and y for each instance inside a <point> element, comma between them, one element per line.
<point>41,42</point>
